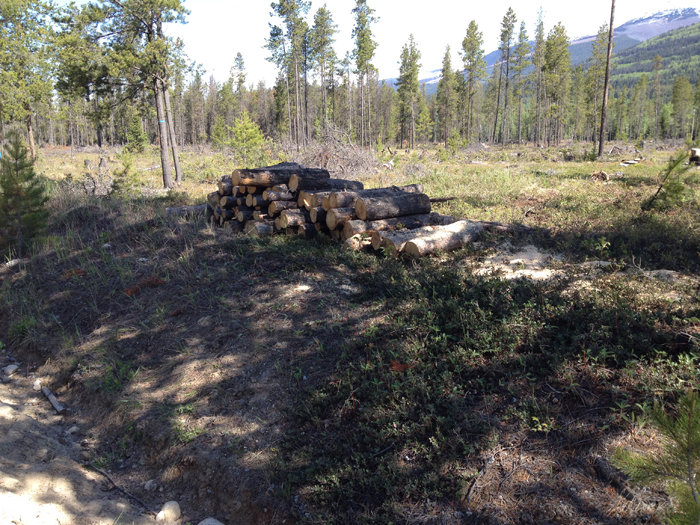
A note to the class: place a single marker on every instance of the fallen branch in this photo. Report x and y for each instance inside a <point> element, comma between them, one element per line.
<point>54,402</point>
<point>126,493</point>
<point>443,199</point>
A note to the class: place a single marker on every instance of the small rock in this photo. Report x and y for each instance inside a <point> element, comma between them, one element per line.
<point>150,485</point>
<point>9,370</point>
<point>6,379</point>
<point>41,454</point>
<point>210,521</point>
<point>37,385</point>
<point>73,430</point>
<point>106,246</point>
<point>170,513</point>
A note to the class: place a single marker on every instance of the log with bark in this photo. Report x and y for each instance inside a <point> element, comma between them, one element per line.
<point>265,177</point>
<point>245,215</point>
<point>293,218</point>
<point>260,215</point>
<point>270,195</point>
<point>256,200</point>
<point>337,217</point>
<point>307,231</point>
<point>393,240</point>
<point>306,183</point>
<point>278,206</point>
<point>278,224</point>
<point>281,188</point>
<point>318,215</point>
<point>227,215</point>
<point>345,199</point>
<point>228,203</point>
<point>234,226</point>
<point>259,228</point>
<point>225,187</point>
<point>214,198</point>
<point>209,214</point>
<point>409,222</point>
<point>384,207</point>
<point>444,239</point>
<point>187,211</point>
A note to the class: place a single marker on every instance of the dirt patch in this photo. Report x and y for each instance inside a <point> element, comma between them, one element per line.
<point>530,262</point>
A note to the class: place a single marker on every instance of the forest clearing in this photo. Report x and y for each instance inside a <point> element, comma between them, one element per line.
<point>281,379</point>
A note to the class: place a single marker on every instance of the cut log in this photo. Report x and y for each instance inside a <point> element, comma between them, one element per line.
<point>321,227</point>
<point>393,241</point>
<point>345,199</point>
<point>228,203</point>
<point>264,177</point>
<point>294,218</point>
<point>317,198</point>
<point>444,238</point>
<point>270,195</point>
<point>52,399</point>
<point>187,211</point>
<point>307,231</point>
<point>241,201</point>
<point>278,224</point>
<point>335,235</point>
<point>318,215</point>
<point>260,215</point>
<point>214,198</point>
<point>695,155</point>
<point>252,190</point>
<point>356,243</point>
<point>245,215</point>
<point>408,222</point>
<point>209,214</point>
<point>225,187</point>
<point>282,188</point>
<point>322,183</point>
<point>226,215</point>
<point>259,228</point>
<point>255,200</point>
<point>278,206</point>
<point>337,217</point>
<point>373,208</point>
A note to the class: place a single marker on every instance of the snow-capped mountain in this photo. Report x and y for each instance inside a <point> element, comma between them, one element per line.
<point>627,35</point>
<point>649,26</point>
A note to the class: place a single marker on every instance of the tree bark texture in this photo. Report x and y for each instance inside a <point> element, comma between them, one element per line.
<point>348,198</point>
<point>444,239</point>
<point>374,208</point>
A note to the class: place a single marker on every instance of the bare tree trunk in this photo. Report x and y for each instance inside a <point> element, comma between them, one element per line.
<point>606,86</point>
<point>498,103</point>
<point>30,132</point>
<point>171,133</point>
<point>163,136</point>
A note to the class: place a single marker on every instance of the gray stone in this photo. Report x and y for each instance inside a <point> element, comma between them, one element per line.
<point>37,385</point>
<point>150,485</point>
<point>9,370</point>
<point>210,521</point>
<point>170,513</point>
<point>73,430</point>
<point>6,379</point>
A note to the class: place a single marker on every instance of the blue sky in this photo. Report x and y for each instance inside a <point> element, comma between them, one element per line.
<point>218,29</point>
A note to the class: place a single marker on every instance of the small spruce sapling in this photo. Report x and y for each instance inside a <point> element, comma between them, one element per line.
<point>672,191</point>
<point>22,195</point>
<point>679,464</point>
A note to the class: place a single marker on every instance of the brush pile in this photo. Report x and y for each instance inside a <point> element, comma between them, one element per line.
<point>291,199</point>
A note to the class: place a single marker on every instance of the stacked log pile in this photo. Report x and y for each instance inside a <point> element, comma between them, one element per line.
<point>307,202</point>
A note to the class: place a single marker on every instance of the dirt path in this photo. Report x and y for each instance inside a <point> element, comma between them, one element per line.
<point>42,480</point>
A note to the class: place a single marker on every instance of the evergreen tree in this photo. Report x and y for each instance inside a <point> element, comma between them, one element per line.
<point>324,59</point>
<point>408,90</point>
<point>22,196</point>
<point>474,68</point>
<point>240,77</point>
<point>558,79</point>
<point>507,28</point>
<point>136,139</point>
<point>678,464</point>
<point>246,140</point>
<point>363,54</point>
<point>682,100</point>
<point>538,61</point>
<point>595,76</point>
<point>26,54</point>
<point>446,93</point>
<point>658,64</point>
<point>521,54</point>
